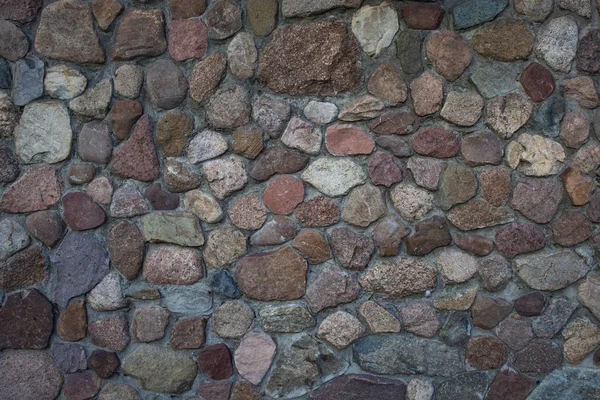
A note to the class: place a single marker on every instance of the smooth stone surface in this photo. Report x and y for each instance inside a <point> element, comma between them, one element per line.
<point>551,271</point>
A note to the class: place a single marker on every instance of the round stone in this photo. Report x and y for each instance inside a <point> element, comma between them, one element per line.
<point>537,82</point>
<point>204,206</point>
<point>248,212</point>
<point>166,85</point>
<point>229,108</point>
<point>557,42</point>
<point>63,82</point>
<point>427,94</point>
<point>450,53</point>
<point>283,194</point>
<point>81,212</point>
<point>412,203</point>
<point>232,319</point>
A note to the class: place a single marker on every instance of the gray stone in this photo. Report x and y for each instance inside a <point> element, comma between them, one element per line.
<point>117,391</point>
<point>474,12</point>
<point>554,317</point>
<point>63,82</point>
<point>94,143</point>
<point>27,80</point>
<point>69,357</point>
<point>160,369</point>
<point>175,227</point>
<point>334,176</point>
<point>93,102</point>
<point>287,318</point>
<point>128,202</point>
<point>74,272</point>
<point>294,8</point>
<point>375,27</point>
<point>408,51</point>
<point>242,55</point>
<point>107,295</point>
<point>569,383</point>
<point>535,10</point>
<point>296,370</point>
<point>5,75</point>
<point>232,319</point>
<point>229,108</point>
<point>9,115</point>
<point>271,114</point>
<point>496,78</point>
<point>166,85</point>
<point>224,284</point>
<point>44,133</point>
<point>14,42</point>
<point>551,271</point>
<point>557,42</point>
<point>128,80</point>
<point>206,145</point>
<point>471,385</point>
<point>401,354</point>
<point>189,299</point>
<point>9,165</point>
<point>549,115</point>
<point>13,237</point>
<point>29,375</point>
<point>456,330</point>
<point>320,112</point>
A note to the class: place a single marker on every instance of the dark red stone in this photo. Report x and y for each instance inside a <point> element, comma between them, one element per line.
<point>26,321</point>
<point>24,269</point>
<point>360,387</point>
<point>422,16</point>
<point>215,390</point>
<point>519,238</point>
<point>476,244</point>
<point>81,385</point>
<point>530,304</point>
<point>276,160</point>
<point>481,148</point>
<point>383,170</point>
<point>436,141</point>
<point>161,199</point>
<point>509,384</point>
<point>429,235</point>
<point>318,211</point>
<point>81,212</point>
<point>215,361</point>
<point>351,249</point>
<point>395,123</point>
<point>104,363</point>
<point>537,82</point>
<point>539,356</point>
<point>488,312</point>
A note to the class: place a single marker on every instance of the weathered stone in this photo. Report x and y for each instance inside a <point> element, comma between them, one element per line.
<point>225,176</point>
<point>485,352</point>
<point>223,19</point>
<point>551,271</point>
<point>247,212</point>
<point>418,389</point>
<point>456,266</point>
<point>398,277</point>
<point>63,82</point>
<point>21,11</point>
<point>587,294</point>
<point>331,287</point>
<point>355,386</point>
<point>206,76</point>
<point>426,172</point>
<point>247,142</point>
<point>537,82</point>
<point>575,129</point>
<point>301,135</point>
<point>72,322</point>
<point>161,199</point>
<point>539,356</point>
<point>254,355</point>
<point>362,108</point>
<point>260,276</point>
<point>262,16</point>
<point>457,185</point>
<point>172,227</point>
<point>229,108</point>
<point>475,12</point>
<point>288,318</point>
<point>503,40</point>
<point>519,238</point>
<point>160,369</point>
<point>462,108</point>
<point>422,16</point>
<point>554,317</point>
<point>24,269</point>
<point>128,202</point>
<point>375,27</point>
<point>334,176</point>
<point>165,84</point>
<point>69,357</point>
<point>136,158</point>
<point>298,60</point>
<point>351,249</point>
<point>364,205</point>
<point>29,375</point>
<point>487,312</point>
<point>26,321</point>
<point>388,235</point>
<point>149,323</point>
<point>468,385</point>
<point>277,231</point>
<point>172,133</point>
<point>420,319</point>
<point>312,245</point>
<point>283,194</point>
<point>456,330</point>
<point>495,273</point>
<point>81,385</point>
<point>537,200</point>
<point>188,38</point>
<point>271,114</point>
<point>188,333</point>
<point>66,32</point>
<point>495,186</point>
<point>179,177</point>
<point>570,229</point>
<point>117,391</point>
<point>242,55</point>
<point>494,78</point>
<point>477,214</point>
<point>587,159</point>
<point>103,363</point>
<point>105,12</point>
<point>450,53</point>
<point>456,300</point>
<point>9,114</point>
<point>408,51</point>
<point>530,305</point>
<point>203,206</point>
<point>476,244</point>
<point>13,238</point>
<point>509,384</point>
<point>348,140</point>
<point>340,329</point>
<point>412,203</point>
<point>94,102</point>
<point>481,148</point>
<point>388,84</point>
<point>225,285</point>
<point>318,211</point>
<point>395,123</point>
<point>429,235</point>
<point>535,155</point>
<point>94,143</point>
<point>107,295</point>
<point>435,141</point>
<point>506,114</point>
<point>557,43</point>
<point>224,246</point>
<point>111,333</point>
<point>27,80</point>
<point>427,94</point>
<point>403,354</point>
<point>567,382</point>
<point>140,33</point>
<point>232,319</point>
<point>378,318</point>
<point>535,10</point>
<point>173,265</point>
<point>581,337</point>
<point>582,90</point>
<point>128,80</point>
<point>587,56</point>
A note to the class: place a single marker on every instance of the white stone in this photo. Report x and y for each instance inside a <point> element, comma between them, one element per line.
<point>94,102</point>
<point>242,55</point>
<point>128,81</point>
<point>581,7</point>
<point>320,112</point>
<point>13,237</point>
<point>302,136</point>
<point>206,145</point>
<point>456,266</point>
<point>334,176</point>
<point>44,133</point>
<point>411,201</point>
<point>535,155</point>
<point>63,82</point>
<point>375,27</point>
<point>340,329</point>
<point>557,43</point>
<point>418,389</point>
<point>203,206</point>
<point>107,295</point>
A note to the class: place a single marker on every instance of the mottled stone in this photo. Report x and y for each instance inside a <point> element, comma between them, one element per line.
<point>225,176</point>
<point>229,108</point>
<point>462,108</point>
<point>203,206</point>
<point>587,52</point>
<point>539,356</point>
<point>456,266</point>
<point>388,235</point>
<point>277,231</point>
<point>429,235</point>
<point>303,136</point>
<point>224,246</point>
<point>494,78</point>
<point>581,337</point>
<point>450,53</point>
<point>330,288</point>
<point>456,330</point>
<point>206,145</point>
<point>232,319</point>
<point>225,285</point>
<point>509,384</point>
<point>570,229</point>
<point>551,271</point>
<point>105,12</point>
<point>188,38</point>
<point>242,55</point>
<point>94,102</point>
<point>387,84</point>
<point>436,141</point>
<point>426,172</point>
<point>136,158</point>
<point>333,176</point>
<point>103,363</point>
<point>165,84</point>
<point>575,129</point>
<point>27,80</point>
<point>247,212</point>
<point>399,277</point>
<point>519,238</point>
<point>128,202</point>
<point>587,159</point>
<point>530,304</point>
<point>128,80</point>
<point>23,269</point>
<point>72,322</point>
<point>223,19</point>
<point>260,276</point>
<point>364,205</point>
<point>554,317</point>
<point>340,329</point>
<point>140,33</point>
<point>161,199</point>
<point>126,247</point>
<point>537,82</point>
<point>485,352</point>
<point>312,245</point>
<point>427,94</point>
<point>412,203</point>
<point>495,186</point>
<point>487,312</point>
<point>29,375</point>
<point>395,123</point>
<point>262,16</point>
<point>206,76</point>
<point>81,385</point>
<point>455,299</point>
<point>495,273</point>
<point>458,184</point>
<point>481,148</point>
<point>26,321</point>
<point>63,82</point>
<point>557,43</point>
<point>535,155</point>
<point>477,214</point>
<point>81,212</point>
<point>537,200</point>
<point>149,323</point>
<point>420,319</point>
<point>344,140</point>
<point>587,294</point>
<point>351,249</point>
<point>535,10</point>
<point>312,58</point>
<point>582,90</point>
<point>418,389</point>
<point>111,333</point>
<point>172,133</point>
<point>271,114</point>
<point>506,114</point>
<point>94,143</point>
<point>474,12</point>
<point>247,142</point>
<point>173,265</point>
<point>288,318</point>
<point>476,244</point>
<point>503,40</point>
<point>283,194</point>
<point>107,295</point>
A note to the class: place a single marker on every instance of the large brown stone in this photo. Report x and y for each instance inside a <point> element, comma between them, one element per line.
<point>429,235</point>
<point>38,189</point>
<point>140,33</point>
<point>503,40</point>
<point>126,248</point>
<point>23,11</point>
<point>570,229</point>
<point>485,352</point>
<point>450,53</point>
<point>436,141</point>
<point>276,160</point>
<point>537,200</point>
<point>26,321</point>
<point>312,58</point>
<point>388,84</point>
<point>277,275</point>
<point>312,245</point>
<point>22,270</point>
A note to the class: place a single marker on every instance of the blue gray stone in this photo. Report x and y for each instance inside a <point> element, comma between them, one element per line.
<point>69,357</point>
<point>28,80</point>
<point>554,317</point>
<point>224,284</point>
<point>407,355</point>
<point>551,112</point>
<point>192,299</point>
<point>475,12</point>
<point>5,75</point>
<point>569,383</point>
<point>496,78</point>
<point>75,272</point>
<point>471,385</point>
<point>456,330</point>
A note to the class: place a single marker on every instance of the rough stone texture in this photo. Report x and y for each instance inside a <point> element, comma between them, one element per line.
<point>503,40</point>
<point>429,235</point>
<point>333,177</point>
<point>290,318</point>
<point>420,319</point>
<point>462,108</point>
<point>551,271</point>
<point>340,329</point>
<point>554,317</point>
<point>537,200</point>
<point>449,52</point>
<point>331,287</point>
<point>557,43</point>
<point>140,33</point>
<point>173,265</point>
<point>165,84</point>
<point>535,155</point>
<point>254,355</point>
<point>29,375</point>
<point>427,93</point>
<point>456,266</point>
<point>26,321</point>
<point>399,277</point>
<point>411,202</point>
<point>587,294</point>
<point>538,356</point>
<point>485,352</point>
<point>223,247</point>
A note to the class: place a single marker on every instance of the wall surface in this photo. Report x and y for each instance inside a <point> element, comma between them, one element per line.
<point>316,199</point>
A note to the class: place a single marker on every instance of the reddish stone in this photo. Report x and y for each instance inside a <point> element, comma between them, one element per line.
<point>383,170</point>
<point>283,194</point>
<point>276,275</point>
<point>38,189</point>
<point>450,53</point>
<point>22,270</point>
<point>247,212</point>
<point>538,356</point>
<point>488,312</point>
<point>351,249</point>
<point>23,11</point>
<point>588,52</point>
<point>427,94</point>
<point>72,322</point>
<point>123,115</point>
<point>188,38</point>
<point>509,384</point>
<point>277,231</point>
<point>161,199</point>
<point>104,363</point>
<point>318,211</point>
<point>435,141</point>
<point>215,361</point>
<point>140,33</point>
<point>530,304</point>
<point>111,333</point>
<point>81,385</point>
<point>429,235</point>
<point>183,9</point>
<point>137,158</point>
<point>214,390</point>
<point>476,244</point>
<point>173,265</point>
<point>347,140</point>
<point>593,210</point>
<point>312,245</point>
<point>206,76</point>
<point>495,185</point>
<point>422,16</point>
<point>26,321</point>
<point>571,228</point>
<point>126,248</point>
<point>276,160</point>
<point>81,212</point>
<point>361,387</point>
<point>485,352</point>
<point>481,148</point>
<point>388,84</point>
<point>395,123</point>
<point>388,235</point>
<point>519,238</point>
<point>188,333</point>
<point>575,129</point>
<point>537,82</point>
<point>537,199</point>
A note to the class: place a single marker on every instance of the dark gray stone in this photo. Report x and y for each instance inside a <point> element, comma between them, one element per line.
<point>456,330</point>
<point>554,317</point>
<point>496,78</point>
<point>28,80</point>
<point>166,84</point>
<point>469,386</point>
<point>551,112</point>
<point>75,272</point>
<point>360,387</point>
<point>569,383</point>
<point>5,75</point>
<point>403,354</point>
<point>9,165</point>
<point>408,51</point>
<point>69,357</point>
<point>224,284</point>
<point>474,12</point>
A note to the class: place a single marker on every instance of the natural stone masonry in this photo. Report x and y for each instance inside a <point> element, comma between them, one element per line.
<point>299,199</point>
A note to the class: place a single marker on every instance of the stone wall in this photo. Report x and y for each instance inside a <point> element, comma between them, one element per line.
<point>316,199</point>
